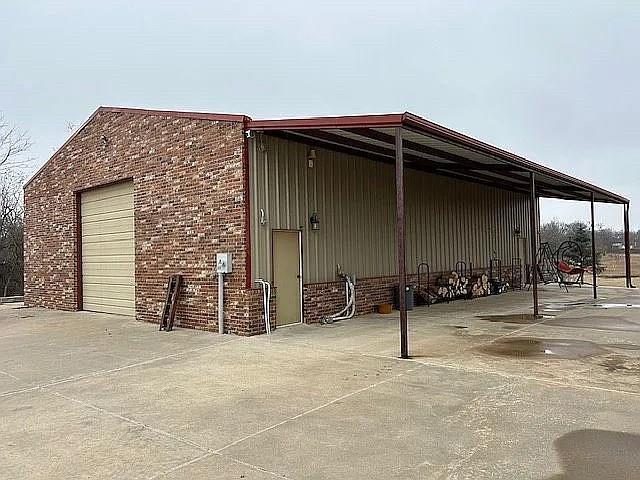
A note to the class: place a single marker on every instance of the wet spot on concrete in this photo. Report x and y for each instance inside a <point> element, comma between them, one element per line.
<point>564,305</point>
<point>529,347</point>
<point>623,346</point>
<point>620,363</point>
<point>616,305</point>
<point>518,318</point>
<point>595,322</point>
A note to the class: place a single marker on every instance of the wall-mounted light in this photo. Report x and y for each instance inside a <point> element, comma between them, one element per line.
<point>311,157</point>
<point>263,217</point>
<point>516,231</point>
<point>314,220</point>
<point>104,141</point>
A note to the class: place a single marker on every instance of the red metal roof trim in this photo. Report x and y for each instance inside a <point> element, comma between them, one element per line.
<point>347,121</point>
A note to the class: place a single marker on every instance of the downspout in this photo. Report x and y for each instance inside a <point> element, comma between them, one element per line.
<point>247,200</point>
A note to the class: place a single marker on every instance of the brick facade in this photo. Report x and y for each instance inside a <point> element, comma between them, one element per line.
<point>190,203</point>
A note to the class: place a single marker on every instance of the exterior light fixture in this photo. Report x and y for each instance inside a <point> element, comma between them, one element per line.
<point>104,141</point>
<point>516,231</point>
<point>315,221</point>
<point>311,157</point>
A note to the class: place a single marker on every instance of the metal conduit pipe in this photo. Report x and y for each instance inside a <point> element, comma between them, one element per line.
<point>220,303</point>
<point>266,303</point>
<point>350,308</point>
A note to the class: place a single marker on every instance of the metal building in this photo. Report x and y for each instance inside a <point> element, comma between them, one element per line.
<point>135,196</point>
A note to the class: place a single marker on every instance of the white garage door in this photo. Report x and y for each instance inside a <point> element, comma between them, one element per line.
<point>108,255</point>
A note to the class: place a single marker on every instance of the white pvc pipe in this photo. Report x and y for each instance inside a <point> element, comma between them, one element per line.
<point>221,303</point>
<point>350,308</point>
<point>266,301</point>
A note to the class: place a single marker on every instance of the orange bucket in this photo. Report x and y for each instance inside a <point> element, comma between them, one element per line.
<point>385,308</point>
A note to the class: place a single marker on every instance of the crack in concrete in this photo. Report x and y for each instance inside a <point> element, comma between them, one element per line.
<point>208,452</point>
<point>114,370</point>
<point>9,375</point>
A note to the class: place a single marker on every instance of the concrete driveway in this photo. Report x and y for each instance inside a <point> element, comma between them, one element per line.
<point>86,395</point>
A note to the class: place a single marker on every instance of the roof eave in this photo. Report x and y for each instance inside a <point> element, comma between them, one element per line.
<point>348,121</point>
<point>410,120</point>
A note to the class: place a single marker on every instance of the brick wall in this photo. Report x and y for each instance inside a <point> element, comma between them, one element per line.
<point>322,299</point>
<point>190,204</point>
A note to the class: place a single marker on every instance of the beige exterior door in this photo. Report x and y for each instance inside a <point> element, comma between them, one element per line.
<point>287,276</point>
<point>108,250</point>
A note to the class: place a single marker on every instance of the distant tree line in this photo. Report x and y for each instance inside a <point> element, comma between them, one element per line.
<point>13,145</point>
<point>608,240</point>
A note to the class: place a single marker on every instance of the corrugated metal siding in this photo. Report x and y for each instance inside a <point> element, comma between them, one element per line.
<point>446,220</point>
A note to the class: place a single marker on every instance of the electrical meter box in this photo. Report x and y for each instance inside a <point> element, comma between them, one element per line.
<point>223,263</point>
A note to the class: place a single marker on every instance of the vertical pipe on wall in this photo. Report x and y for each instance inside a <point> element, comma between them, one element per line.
<point>533,219</point>
<point>247,200</point>
<point>593,249</point>
<point>400,241</point>
<point>627,247</point>
<point>220,303</point>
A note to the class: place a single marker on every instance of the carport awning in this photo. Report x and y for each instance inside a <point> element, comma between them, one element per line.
<point>436,149</point>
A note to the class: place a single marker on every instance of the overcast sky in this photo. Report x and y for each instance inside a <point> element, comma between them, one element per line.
<point>557,82</point>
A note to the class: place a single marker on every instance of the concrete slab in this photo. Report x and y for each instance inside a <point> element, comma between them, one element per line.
<point>216,396</point>
<point>44,436</point>
<point>98,396</point>
<point>435,423</point>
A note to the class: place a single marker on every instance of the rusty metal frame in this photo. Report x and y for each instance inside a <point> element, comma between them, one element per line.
<point>593,249</point>
<point>533,218</point>
<point>400,243</point>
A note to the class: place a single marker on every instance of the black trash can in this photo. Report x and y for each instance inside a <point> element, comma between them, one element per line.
<point>409,297</point>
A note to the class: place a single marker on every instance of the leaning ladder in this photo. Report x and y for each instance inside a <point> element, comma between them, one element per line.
<point>171,303</point>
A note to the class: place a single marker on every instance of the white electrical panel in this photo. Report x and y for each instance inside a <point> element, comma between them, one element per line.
<point>223,263</point>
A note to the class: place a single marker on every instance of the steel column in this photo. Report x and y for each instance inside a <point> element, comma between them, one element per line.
<point>593,249</point>
<point>400,243</point>
<point>533,219</point>
<point>627,247</point>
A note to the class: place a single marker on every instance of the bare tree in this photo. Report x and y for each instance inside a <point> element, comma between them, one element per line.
<point>11,234</point>
<point>13,145</point>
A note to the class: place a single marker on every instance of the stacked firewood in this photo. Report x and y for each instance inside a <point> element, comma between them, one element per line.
<point>455,286</point>
<point>480,286</point>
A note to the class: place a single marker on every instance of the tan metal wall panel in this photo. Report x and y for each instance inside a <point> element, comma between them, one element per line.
<point>108,249</point>
<point>447,220</point>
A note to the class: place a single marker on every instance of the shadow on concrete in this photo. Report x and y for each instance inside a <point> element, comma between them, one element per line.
<point>598,455</point>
